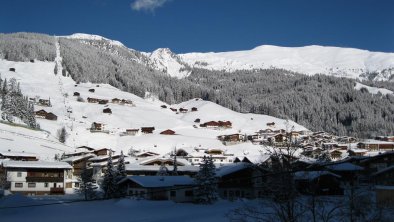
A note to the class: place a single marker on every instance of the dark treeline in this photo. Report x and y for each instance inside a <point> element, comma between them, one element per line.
<point>318,102</point>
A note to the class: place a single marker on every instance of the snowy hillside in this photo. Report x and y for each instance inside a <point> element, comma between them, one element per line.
<point>335,61</point>
<point>341,62</point>
<point>38,80</point>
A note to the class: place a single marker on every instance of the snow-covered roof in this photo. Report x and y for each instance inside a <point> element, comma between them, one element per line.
<point>384,170</point>
<point>311,175</point>
<point>371,141</point>
<point>344,167</point>
<point>137,167</point>
<point>16,154</point>
<point>231,168</point>
<point>160,181</point>
<point>36,164</point>
<point>77,158</point>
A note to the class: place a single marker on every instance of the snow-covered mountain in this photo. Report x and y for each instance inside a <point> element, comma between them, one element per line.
<point>37,80</point>
<point>335,61</point>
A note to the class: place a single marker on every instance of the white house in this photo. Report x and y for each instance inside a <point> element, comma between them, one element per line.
<point>36,177</point>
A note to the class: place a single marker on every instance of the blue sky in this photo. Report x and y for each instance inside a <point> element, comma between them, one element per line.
<point>210,25</point>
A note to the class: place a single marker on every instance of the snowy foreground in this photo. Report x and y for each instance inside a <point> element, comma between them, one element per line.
<point>112,210</point>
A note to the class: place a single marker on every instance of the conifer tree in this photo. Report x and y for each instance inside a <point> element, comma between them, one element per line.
<point>87,186</point>
<point>206,181</point>
<point>109,185</point>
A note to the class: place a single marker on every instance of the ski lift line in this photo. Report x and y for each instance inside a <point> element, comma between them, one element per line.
<point>33,137</point>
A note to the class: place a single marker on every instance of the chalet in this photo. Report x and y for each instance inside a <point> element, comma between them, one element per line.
<point>41,114</point>
<point>76,94</point>
<point>239,180</point>
<point>168,132</point>
<point>163,106</point>
<point>96,127</point>
<point>376,145</point>
<point>225,124</point>
<point>102,101</point>
<point>336,154</point>
<point>103,152</point>
<point>384,186</point>
<point>231,139</point>
<point>12,69</point>
<point>132,132</point>
<point>357,152</point>
<point>272,124</point>
<point>159,161</point>
<point>78,163</point>
<point>51,116</point>
<point>126,102</point>
<point>219,157</point>
<point>197,120</point>
<point>36,177</point>
<point>210,124</point>
<point>115,100</point>
<point>44,102</point>
<point>85,148</point>
<point>91,90</point>
<point>147,154</point>
<point>147,130</point>
<point>385,138</point>
<point>182,110</point>
<point>194,109</point>
<point>107,110</point>
<point>152,170</point>
<point>21,156</point>
<point>173,109</point>
<point>379,162</point>
<point>318,183</point>
<point>32,60</point>
<point>93,100</point>
<point>175,188</point>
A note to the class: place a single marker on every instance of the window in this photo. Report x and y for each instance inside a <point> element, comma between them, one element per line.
<point>31,185</point>
<point>46,184</point>
<point>76,184</point>
<point>19,174</point>
<point>172,193</point>
<point>19,185</point>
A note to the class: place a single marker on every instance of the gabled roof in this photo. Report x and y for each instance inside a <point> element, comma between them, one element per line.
<point>36,164</point>
<point>232,168</point>
<point>17,154</point>
<point>159,181</point>
<point>344,167</point>
<point>311,175</point>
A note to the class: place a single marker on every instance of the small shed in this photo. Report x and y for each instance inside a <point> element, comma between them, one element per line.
<point>41,113</point>
<point>115,100</point>
<point>168,132</point>
<point>77,94</point>
<point>271,124</point>
<point>194,109</point>
<point>91,90</point>
<point>182,110</point>
<point>107,110</point>
<point>163,106</point>
<point>12,69</point>
<point>102,101</point>
<point>51,116</point>
<point>147,130</point>
<point>197,120</point>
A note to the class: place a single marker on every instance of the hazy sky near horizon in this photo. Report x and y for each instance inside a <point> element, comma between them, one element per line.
<point>210,25</point>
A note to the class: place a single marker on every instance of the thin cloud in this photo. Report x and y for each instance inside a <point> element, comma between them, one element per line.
<point>147,5</point>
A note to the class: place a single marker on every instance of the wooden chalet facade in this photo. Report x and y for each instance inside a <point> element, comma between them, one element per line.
<point>147,130</point>
<point>376,145</point>
<point>36,177</point>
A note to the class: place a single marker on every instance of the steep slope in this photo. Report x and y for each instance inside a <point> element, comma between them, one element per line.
<point>38,80</point>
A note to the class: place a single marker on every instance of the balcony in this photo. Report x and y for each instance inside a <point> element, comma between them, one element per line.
<point>57,190</point>
<point>44,179</point>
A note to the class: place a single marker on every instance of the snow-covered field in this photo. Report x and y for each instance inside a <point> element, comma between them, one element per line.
<point>373,90</point>
<point>38,80</point>
<point>112,210</point>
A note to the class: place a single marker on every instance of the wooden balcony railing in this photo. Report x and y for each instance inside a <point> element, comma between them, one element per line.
<point>44,179</point>
<point>57,190</point>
